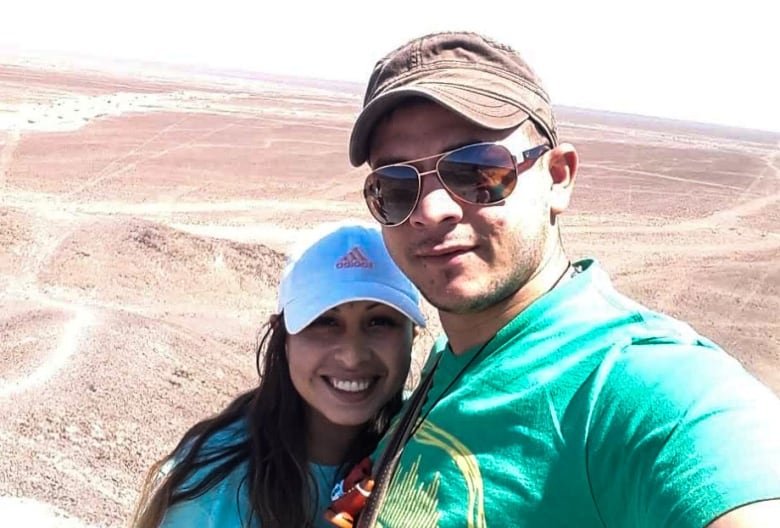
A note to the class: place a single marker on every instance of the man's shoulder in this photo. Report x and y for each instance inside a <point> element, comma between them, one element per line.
<point>595,307</point>
<point>673,381</point>
<point>665,418</point>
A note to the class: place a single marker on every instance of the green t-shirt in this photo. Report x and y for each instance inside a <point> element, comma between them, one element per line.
<point>588,410</point>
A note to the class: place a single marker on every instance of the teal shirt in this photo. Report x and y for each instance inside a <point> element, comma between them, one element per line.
<point>588,410</point>
<point>226,505</point>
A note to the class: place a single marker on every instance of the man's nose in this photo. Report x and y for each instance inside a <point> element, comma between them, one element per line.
<point>435,205</point>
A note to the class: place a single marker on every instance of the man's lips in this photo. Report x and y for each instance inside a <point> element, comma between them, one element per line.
<point>440,251</point>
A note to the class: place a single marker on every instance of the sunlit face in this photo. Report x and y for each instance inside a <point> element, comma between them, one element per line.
<point>350,361</point>
<point>463,258</point>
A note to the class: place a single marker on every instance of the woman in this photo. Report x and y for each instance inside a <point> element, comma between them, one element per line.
<point>334,358</point>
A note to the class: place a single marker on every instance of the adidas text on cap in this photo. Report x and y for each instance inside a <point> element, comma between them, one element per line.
<point>342,263</point>
<point>483,81</point>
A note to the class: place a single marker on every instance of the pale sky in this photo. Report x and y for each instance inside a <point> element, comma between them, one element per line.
<point>710,61</point>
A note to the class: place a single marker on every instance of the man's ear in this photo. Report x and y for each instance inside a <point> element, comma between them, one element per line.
<point>563,164</point>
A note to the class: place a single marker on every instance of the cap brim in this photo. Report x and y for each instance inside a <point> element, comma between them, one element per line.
<point>473,103</point>
<point>303,310</point>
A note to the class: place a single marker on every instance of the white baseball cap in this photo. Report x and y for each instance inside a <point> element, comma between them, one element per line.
<point>341,263</point>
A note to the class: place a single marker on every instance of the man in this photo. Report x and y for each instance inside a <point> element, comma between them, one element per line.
<point>554,400</point>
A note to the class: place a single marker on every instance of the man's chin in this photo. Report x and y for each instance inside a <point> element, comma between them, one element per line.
<point>459,301</point>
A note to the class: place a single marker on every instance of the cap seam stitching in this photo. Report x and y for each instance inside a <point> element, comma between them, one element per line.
<point>474,89</point>
<point>552,136</point>
<point>436,65</point>
<point>467,104</point>
<point>535,116</point>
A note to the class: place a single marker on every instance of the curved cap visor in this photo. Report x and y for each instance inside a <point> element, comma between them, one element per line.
<point>305,308</point>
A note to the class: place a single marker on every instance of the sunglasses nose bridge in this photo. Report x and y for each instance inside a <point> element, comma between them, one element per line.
<point>426,173</point>
<point>435,202</point>
<point>435,172</point>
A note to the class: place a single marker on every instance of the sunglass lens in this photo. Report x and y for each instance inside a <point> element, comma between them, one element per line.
<point>480,174</point>
<point>391,193</point>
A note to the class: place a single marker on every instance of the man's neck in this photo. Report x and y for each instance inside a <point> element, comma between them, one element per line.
<point>465,331</point>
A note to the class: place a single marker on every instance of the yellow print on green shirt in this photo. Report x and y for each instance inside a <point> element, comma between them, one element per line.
<point>411,503</point>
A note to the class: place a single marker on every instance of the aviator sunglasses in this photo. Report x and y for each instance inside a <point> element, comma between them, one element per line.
<point>479,174</point>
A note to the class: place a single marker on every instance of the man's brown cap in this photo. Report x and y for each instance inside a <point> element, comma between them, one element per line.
<point>484,81</point>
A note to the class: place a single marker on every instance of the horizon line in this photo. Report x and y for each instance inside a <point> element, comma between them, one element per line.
<point>244,73</point>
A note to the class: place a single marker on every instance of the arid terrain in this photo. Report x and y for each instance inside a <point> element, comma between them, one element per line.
<point>143,219</point>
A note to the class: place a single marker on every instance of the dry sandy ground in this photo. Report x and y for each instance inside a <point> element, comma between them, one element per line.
<point>141,225</point>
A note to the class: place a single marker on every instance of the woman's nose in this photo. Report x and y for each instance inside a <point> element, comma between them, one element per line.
<point>353,351</point>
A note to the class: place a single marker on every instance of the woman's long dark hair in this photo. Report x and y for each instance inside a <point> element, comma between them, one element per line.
<point>282,492</point>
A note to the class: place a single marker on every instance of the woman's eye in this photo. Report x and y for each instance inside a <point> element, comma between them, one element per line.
<point>382,320</point>
<point>324,321</point>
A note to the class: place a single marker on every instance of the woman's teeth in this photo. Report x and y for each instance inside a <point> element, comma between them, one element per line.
<point>350,385</point>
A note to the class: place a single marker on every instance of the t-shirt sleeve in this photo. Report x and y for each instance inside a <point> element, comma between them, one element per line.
<point>188,513</point>
<point>223,504</point>
<point>226,504</point>
<point>679,435</point>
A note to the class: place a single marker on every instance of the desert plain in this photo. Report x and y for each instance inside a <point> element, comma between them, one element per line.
<point>144,215</point>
